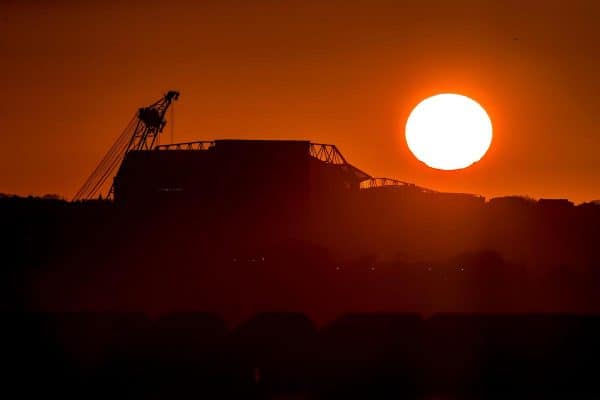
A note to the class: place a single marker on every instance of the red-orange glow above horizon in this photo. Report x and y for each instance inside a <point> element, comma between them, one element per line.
<point>340,72</point>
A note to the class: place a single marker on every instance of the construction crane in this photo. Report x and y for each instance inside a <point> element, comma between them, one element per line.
<point>140,134</point>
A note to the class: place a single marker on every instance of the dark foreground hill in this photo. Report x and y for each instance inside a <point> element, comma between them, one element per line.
<point>284,355</point>
<point>169,301</point>
<point>386,249</point>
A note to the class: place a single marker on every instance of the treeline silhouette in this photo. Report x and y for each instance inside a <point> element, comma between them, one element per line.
<point>376,250</point>
<point>374,355</point>
<point>380,293</point>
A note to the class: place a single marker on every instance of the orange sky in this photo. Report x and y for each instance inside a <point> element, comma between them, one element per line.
<point>73,73</point>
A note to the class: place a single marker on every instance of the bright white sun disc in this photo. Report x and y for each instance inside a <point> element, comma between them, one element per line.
<point>448,131</point>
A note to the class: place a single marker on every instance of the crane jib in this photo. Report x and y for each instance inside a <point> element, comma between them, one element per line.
<point>140,134</point>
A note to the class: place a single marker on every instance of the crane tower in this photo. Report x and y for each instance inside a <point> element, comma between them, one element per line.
<point>140,134</point>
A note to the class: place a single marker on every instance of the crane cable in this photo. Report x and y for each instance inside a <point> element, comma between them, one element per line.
<point>134,137</point>
<point>98,177</point>
<point>172,118</point>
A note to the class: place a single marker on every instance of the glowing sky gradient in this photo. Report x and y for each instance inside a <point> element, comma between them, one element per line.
<point>73,73</point>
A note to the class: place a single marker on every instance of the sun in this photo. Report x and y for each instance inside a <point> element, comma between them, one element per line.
<point>448,131</point>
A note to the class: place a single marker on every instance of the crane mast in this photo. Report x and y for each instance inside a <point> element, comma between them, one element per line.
<point>140,134</point>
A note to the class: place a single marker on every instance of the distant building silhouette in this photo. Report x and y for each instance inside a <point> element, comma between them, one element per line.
<point>256,170</point>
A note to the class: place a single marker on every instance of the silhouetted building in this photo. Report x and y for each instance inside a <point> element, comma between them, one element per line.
<point>281,171</point>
